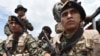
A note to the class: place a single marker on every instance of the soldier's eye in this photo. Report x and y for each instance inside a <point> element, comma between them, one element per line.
<point>11,22</point>
<point>16,22</point>
<point>64,14</point>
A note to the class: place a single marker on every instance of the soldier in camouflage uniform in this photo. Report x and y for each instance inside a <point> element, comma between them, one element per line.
<point>43,37</point>
<point>20,43</point>
<point>56,10</point>
<point>56,13</point>
<point>1,50</point>
<point>20,10</point>
<point>75,41</point>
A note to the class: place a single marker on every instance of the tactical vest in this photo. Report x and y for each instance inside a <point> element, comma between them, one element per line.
<point>89,42</point>
<point>20,46</point>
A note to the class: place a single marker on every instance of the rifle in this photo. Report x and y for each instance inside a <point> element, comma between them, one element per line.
<point>50,46</point>
<point>93,16</point>
<point>6,49</point>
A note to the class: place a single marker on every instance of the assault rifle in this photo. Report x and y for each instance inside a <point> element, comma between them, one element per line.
<point>6,49</point>
<point>52,51</point>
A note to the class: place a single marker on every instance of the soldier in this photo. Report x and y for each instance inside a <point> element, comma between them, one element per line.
<point>43,37</point>
<point>56,10</point>
<point>1,50</point>
<point>56,13</point>
<point>20,43</point>
<point>75,41</point>
<point>46,30</point>
<point>20,10</point>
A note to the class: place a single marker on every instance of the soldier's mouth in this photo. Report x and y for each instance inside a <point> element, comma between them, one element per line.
<point>70,22</point>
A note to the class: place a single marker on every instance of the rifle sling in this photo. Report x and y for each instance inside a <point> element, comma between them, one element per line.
<point>72,41</point>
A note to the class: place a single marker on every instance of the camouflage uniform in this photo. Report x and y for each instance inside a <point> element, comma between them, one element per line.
<point>56,13</point>
<point>20,43</point>
<point>1,50</point>
<point>44,45</point>
<point>44,37</point>
<point>86,46</point>
<point>26,45</point>
<point>7,30</point>
<point>26,23</point>
<point>73,41</point>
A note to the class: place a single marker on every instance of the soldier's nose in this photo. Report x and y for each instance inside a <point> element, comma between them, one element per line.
<point>69,15</point>
<point>13,24</point>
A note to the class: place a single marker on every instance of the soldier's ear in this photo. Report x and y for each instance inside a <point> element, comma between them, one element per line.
<point>82,23</point>
<point>81,20</point>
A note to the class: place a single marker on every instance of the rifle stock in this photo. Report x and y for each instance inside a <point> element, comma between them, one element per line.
<point>6,49</point>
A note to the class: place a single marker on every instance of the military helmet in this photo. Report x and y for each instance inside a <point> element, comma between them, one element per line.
<point>72,4</point>
<point>14,18</point>
<point>20,7</point>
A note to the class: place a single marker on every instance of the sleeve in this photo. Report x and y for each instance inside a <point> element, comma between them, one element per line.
<point>92,38</point>
<point>1,47</point>
<point>28,25</point>
<point>96,47</point>
<point>33,48</point>
<point>7,30</point>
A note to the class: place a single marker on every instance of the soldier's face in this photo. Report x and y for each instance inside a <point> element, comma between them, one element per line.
<point>21,12</point>
<point>14,27</point>
<point>70,19</point>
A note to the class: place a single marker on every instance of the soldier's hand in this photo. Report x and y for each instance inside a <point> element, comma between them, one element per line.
<point>24,17</point>
<point>47,54</point>
<point>4,54</point>
<point>40,43</point>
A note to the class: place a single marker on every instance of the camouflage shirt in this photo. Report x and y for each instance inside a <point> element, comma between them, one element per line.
<point>26,23</point>
<point>43,44</point>
<point>1,50</point>
<point>7,30</point>
<point>26,45</point>
<point>84,47</point>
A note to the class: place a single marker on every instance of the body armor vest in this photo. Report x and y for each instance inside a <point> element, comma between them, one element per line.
<point>20,47</point>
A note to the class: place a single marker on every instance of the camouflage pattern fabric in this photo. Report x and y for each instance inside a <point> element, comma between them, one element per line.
<point>59,28</point>
<point>26,46</point>
<point>1,50</point>
<point>7,30</point>
<point>57,17</point>
<point>27,25</point>
<point>56,11</point>
<point>84,47</point>
<point>44,45</point>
